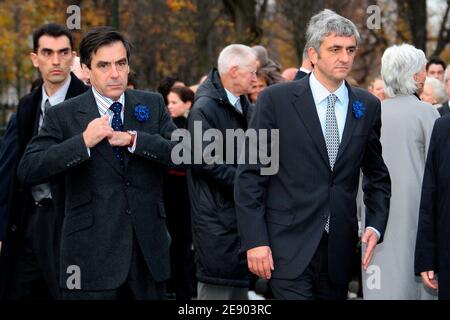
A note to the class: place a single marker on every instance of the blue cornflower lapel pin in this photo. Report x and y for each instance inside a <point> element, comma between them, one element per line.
<point>358,109</point>
<point>141,113</point>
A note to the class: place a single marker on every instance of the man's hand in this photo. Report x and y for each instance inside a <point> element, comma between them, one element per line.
<point>429,279</point>
<point>260,261</point>
<point>370,239</point>
<point>97,130</point>
<point>120,139</point>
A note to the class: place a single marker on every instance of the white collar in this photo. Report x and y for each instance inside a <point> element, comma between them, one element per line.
<point>321,93</point>
<point>60,94</point>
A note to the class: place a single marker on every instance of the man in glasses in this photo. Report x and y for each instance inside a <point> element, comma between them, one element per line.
<point>220,104</point>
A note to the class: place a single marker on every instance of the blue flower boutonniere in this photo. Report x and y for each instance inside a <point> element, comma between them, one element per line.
<point>358,109</point>
<point>141,112</point>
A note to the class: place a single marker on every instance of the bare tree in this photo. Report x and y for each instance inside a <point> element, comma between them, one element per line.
<point>247,19</point>
<point>444,33</point>
<point>298,14</point>
<point>414,12</point>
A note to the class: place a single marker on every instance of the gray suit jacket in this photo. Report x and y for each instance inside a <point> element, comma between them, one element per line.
<point>106,204</point>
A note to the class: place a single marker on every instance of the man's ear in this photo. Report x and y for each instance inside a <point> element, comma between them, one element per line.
<point>86,70</point>
<point>34,59</point>
<point>313,55</point>
<point>233,71</point>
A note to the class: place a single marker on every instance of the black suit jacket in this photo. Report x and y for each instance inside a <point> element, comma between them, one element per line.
<point>19,195</point>
<point>433,234</point>
<point>444,109</point>
<point>300,74</point>
<point>288,211</point>
<point>8,159</point>
<point>106,204</point>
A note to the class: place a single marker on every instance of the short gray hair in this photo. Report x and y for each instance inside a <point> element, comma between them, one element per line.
<point>328,22</point>
<point>235,55</point>
<point>399,64</point>
<point>305,53</point>
<point>438,88</point>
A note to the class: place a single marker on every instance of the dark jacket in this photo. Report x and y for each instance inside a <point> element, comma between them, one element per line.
<point>288,210</point>
<point>8,158</point>
<point>432,244</point>
<point>21,200</point>
<point>444,109</point>
<point>106,205</point>
<point>215,234</point>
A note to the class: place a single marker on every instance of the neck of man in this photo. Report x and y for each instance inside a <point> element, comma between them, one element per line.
<point>306,65</point>
<point>330,84</point>
<point>51,88</point>
<point>230,86</point>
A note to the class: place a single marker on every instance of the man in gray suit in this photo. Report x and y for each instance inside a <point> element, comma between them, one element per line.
<point>109,145</point>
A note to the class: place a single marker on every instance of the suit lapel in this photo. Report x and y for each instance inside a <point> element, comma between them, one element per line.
<point>88,111</point>
<point>303,103</point>
<point>350,123</point>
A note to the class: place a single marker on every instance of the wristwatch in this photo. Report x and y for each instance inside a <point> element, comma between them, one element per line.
<point>133,138</point>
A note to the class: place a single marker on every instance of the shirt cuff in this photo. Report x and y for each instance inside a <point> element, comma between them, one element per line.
<point>376,231</point>
<point>88,151</point>
<point>133,148</point>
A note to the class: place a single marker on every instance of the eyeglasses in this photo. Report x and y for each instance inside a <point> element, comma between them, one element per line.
<point>105,67</point>
<point>252,73</point>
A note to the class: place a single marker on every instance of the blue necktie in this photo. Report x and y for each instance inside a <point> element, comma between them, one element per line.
<point>117,125</point>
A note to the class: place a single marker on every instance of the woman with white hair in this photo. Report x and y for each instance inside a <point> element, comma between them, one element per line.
<point>405,136</point>
<point>434,92</point>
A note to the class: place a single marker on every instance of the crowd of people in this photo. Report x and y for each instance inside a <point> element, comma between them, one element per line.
<point>93,206</point>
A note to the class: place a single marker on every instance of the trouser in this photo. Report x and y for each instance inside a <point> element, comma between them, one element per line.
<point>206,291</point>
<point>314,283</point>
<point>139,284</point>
<point>34,275</point>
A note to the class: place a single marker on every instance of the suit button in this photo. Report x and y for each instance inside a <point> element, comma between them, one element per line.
<point>128,212</point>
<point>128,183</point>
<point>13,227</point>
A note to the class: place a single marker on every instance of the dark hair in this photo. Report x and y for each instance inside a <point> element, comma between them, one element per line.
<point>184,93</point>
<point>53,30</point>
<point>99,37</point>
<point>436,60</point>
<point>36,83</point>
<point>132,79</point>
<point>165,85</point>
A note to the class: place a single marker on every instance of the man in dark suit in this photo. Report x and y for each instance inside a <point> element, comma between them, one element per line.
<point>29,258</point>
<point>432,255</point>
<point>109,145</point>
<point>299,226</point>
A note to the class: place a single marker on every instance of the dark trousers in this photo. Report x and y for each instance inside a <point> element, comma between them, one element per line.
<point>314,283</point>
<point>139,284</point>
<point>33,275</point>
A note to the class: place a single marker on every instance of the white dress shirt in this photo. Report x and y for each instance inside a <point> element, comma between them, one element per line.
<point>103,104</point>
<point>320,95</point>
